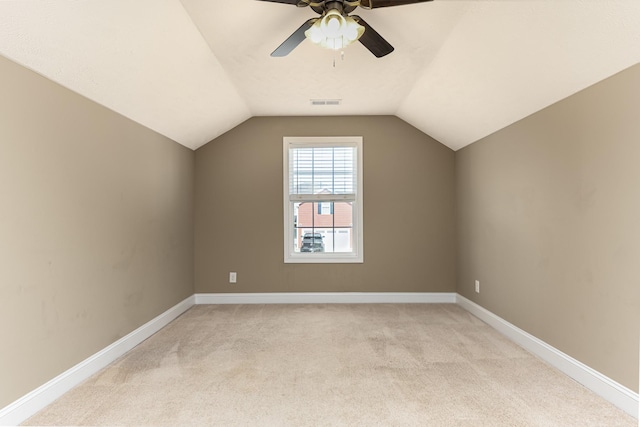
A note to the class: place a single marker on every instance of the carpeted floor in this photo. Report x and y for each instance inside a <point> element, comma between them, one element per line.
<point>322,365</point>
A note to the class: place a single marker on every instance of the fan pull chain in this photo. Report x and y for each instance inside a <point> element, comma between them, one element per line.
<point>334,57</point>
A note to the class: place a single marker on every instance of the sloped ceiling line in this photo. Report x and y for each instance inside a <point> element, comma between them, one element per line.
<point>194,69</point>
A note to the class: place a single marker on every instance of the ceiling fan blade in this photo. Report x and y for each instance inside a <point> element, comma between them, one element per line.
<point>293,2</point>
<point>372,40</point>
<point>294,39</point>
<point>372,4</point>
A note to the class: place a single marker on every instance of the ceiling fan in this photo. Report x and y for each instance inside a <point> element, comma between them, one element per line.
<point>335,28</point>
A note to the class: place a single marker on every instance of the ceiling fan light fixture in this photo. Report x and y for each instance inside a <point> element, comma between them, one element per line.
<point>332,24</point>
<point>334,31</point>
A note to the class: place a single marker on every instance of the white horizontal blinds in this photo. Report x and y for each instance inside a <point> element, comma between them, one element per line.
<point>322,172</point>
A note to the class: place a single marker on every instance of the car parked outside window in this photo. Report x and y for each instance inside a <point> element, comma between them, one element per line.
<point>312,242</point>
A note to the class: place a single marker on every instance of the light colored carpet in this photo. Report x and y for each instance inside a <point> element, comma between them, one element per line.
<point>321,365</point>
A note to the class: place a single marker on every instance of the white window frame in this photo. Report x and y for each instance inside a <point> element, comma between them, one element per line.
<point>290,256</point>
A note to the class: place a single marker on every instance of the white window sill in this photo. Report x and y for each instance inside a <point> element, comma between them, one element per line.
<point>315,258</point>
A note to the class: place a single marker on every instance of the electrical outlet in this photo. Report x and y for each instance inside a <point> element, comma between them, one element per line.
<point>478,286</point>
<point>233,277</point>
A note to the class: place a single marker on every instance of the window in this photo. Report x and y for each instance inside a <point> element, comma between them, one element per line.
<point>323,199</point>
<point>325,208</point>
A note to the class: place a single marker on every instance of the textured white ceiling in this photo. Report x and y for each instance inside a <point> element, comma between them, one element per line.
<point>193,69</point>
<point>142,58</point>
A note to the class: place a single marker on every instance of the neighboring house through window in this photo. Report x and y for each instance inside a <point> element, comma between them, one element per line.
<point>323,199</point>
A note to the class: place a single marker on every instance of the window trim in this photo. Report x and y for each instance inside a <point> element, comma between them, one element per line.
<point>357,256</point>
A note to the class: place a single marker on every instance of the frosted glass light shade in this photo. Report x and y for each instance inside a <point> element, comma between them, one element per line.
<point>334,31</point>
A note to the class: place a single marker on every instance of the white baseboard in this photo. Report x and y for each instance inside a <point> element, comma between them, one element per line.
<point>327,298</point>
<point>31,403</point>
<point>602,385</point>
<point>36,400</point>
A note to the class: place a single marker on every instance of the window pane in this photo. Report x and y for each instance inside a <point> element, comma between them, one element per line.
<point>322,170</point>
<point>316,231</point>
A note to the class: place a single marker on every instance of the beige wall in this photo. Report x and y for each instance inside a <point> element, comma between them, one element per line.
<point>97,237</point>
<point>549,222</point>
<point>96,232</point>
<point>408,210</point>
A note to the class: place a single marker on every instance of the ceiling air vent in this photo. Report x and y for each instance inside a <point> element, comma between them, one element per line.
<point>326,101</point>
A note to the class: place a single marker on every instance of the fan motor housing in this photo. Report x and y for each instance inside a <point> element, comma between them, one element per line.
<point>320,7</point>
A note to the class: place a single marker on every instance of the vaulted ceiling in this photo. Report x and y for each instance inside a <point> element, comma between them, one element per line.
<point>194,69</point>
